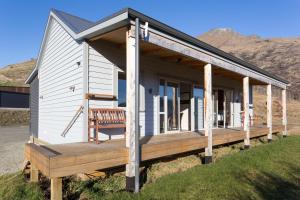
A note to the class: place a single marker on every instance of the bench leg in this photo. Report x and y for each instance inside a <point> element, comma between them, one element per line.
<point>56,188</point>
<point>89,130</point>
<point>34,174</point>
<point>97,131</point>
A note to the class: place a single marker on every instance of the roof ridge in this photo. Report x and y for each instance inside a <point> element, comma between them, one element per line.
<point>72,20</point>
<point>60,11</point>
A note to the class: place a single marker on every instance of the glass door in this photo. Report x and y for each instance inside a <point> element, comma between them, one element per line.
<point>172,90</point>
<point>228,108</point>
<point>162,110</point>
<point>199,108</point>
<point>169,106</point>
<point>215,108</point>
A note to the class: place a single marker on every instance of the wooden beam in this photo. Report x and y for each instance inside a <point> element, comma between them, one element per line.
<point>152,51</point>
<point>191,62</point>
<point>132,110</point>
<point>284,112</point>
<point>56,188</point>
<point>246,97</point>
<point>269,111</point>
<point>34,174</point>
<point>208,111</point>
<point>93,96</point>
<point>169,42</point>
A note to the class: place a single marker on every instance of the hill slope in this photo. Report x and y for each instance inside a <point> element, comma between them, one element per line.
<point>280,56</point>
<point>16,74</point>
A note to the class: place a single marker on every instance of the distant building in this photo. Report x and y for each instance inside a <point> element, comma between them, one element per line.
<point>14,97</point>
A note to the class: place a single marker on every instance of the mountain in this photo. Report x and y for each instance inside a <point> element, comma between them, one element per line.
<point>280,56</point>
<point>16,74</point>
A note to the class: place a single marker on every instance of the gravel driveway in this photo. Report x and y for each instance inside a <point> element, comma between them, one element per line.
<point>12,140</point>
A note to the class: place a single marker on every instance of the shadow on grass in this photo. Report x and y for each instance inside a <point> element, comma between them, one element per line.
<point>268,185</point>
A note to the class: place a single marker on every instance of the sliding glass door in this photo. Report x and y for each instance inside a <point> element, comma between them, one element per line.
<point>228,108</point>
<point>162,110</point>
<point>173,108</point>
<point>169,106</point>
<point>199,108</point>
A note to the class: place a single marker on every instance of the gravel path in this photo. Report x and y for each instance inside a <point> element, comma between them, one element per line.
<point>12,140</point>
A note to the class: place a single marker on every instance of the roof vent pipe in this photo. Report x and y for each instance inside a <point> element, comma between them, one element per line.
<point>146,30</point>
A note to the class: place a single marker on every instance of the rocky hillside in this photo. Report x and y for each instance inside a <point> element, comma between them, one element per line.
<point>280,56</point>
<point>16,74</point>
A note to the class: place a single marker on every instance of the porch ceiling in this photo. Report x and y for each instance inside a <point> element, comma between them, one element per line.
<point>118,39</point>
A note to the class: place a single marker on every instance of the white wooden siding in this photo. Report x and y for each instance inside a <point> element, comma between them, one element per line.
<point>100,78</point>
<point>147,117</point>
<point>34,106</point>
<point>60,87</point>
<point>101,81</point>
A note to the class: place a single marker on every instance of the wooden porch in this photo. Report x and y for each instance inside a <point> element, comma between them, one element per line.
<point>67,159</point>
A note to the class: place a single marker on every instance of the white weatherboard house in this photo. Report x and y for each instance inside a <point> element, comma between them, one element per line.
<point>134,74</point>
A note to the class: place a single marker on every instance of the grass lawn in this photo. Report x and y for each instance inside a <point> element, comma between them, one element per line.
<point>269,171</point>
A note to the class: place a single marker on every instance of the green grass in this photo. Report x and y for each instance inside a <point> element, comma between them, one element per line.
<point>13,187</point>
<point>270,171</point>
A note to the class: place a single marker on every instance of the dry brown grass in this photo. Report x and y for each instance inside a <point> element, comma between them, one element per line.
<point>9,117</point>
<point>260,110</point>
<point>16,74</point>
<point>163,168</point>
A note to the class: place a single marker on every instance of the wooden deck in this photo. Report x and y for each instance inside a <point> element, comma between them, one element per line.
<point>68,159</point>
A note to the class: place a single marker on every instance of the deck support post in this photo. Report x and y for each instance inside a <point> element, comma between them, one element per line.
<point>269,111</point>
<point>208,111</point>
<point>34,174</point>
<point>56,188</point>
<point>246,120</point>
<point>284,112</point>
<point>132,108</point>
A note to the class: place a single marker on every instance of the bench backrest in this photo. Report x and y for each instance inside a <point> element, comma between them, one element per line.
<point>106,116</point>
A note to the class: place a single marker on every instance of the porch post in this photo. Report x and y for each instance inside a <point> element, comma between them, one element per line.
<point>34,174</point>
<point>208,111</point>
<point>132,107</point>
<point>269,111</point>
<point>85,101</point>
<point>56,189</point>
<point>246,112</point>
<point>284,112</point>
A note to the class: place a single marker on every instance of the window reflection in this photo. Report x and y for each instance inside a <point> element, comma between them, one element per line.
<point>121,89</point>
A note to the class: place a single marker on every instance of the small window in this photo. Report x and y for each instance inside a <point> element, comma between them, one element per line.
<point>121,89</point>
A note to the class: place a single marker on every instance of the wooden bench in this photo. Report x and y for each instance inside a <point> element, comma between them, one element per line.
<point>105,118</point>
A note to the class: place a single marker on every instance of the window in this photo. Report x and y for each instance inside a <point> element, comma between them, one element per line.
<point>161,95</point>
<point>121,89</point>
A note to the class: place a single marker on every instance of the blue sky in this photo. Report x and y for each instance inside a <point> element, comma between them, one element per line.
<point>22,22</point>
